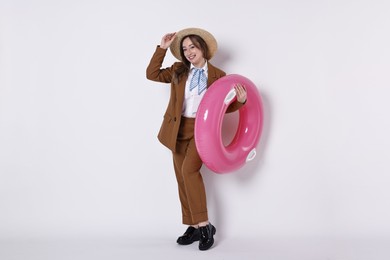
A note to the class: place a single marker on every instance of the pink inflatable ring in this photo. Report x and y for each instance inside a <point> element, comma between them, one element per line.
<point>208,125</point>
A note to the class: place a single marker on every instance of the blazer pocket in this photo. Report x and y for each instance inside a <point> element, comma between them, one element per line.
<point>166,134</point>
<point>167,118</point>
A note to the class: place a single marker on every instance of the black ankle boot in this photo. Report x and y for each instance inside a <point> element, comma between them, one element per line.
<point>206,237</point>
<point>192,234</point>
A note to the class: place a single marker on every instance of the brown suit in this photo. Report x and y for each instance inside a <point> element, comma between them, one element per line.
<point>177,133</point>
<point>172,117</point>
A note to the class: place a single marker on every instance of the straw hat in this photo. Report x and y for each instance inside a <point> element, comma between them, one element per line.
<point>206,36</point>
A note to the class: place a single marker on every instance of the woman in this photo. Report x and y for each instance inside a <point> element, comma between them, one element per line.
<point>189,80</point>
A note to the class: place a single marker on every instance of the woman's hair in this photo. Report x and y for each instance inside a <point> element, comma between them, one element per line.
<point>184,68</point>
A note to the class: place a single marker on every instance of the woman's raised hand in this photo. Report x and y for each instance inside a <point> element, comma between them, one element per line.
<point>167,39</point>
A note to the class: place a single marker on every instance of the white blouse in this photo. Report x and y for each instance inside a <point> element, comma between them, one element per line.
<point>192,98</point>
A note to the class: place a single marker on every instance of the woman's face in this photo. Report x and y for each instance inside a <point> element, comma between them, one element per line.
<point>192,53</point>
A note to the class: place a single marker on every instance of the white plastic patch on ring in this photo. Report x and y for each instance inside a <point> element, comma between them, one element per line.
<point>229,97</point>
<point>251,155</point>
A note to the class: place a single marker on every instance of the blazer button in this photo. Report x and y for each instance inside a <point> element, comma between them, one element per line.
<point>174,119</point>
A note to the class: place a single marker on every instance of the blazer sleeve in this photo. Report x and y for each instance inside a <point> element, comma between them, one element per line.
<point>154,71</point>
<point>234,106</point>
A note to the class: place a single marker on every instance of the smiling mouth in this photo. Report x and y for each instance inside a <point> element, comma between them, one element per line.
<point>191,57</point>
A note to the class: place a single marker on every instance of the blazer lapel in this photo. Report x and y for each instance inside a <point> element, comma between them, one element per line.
<point>211,74</point>
<point>180,92</point>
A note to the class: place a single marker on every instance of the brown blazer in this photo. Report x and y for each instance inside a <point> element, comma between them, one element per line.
<point>172,117</point>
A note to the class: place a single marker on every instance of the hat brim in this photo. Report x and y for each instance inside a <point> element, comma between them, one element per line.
<point>205,35</point>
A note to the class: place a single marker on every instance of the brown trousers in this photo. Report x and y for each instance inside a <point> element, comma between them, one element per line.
<point>187,164</point>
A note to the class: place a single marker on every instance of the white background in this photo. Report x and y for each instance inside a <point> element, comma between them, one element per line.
<point>79,155</point>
